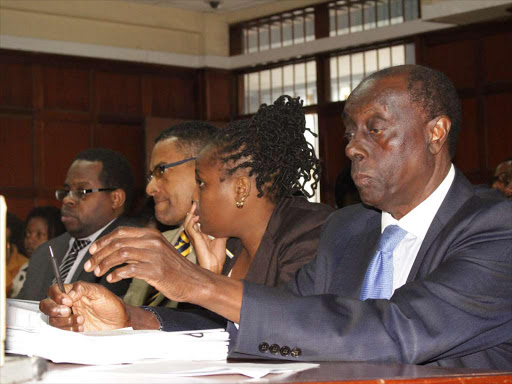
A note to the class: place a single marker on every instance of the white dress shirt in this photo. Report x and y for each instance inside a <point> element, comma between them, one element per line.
<point>82,252</point>
<point>416,223</point>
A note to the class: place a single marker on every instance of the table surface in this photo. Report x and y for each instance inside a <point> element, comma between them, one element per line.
<point>354,372</point>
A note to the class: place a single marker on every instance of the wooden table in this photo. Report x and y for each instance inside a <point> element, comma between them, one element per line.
<point>354,372</point>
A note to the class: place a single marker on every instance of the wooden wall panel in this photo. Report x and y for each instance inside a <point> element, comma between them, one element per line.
<point>16,153</point>
<point>41,201</point>
<point>68,104</point>
<point>16,85</point>
<point>467,158</point>
<point>19,206</point>
<point>496,58</point>
<point>60,142</point>
<point>477,59</point>
<point>131,145</point>
<point>66,88</point>
<point>455,59</point>
<point>218,95</point>
<point>175,96</point>
<point>118,94</point>
<point>499,127</point>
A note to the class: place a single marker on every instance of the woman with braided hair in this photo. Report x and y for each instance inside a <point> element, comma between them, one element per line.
<point>247,178</point>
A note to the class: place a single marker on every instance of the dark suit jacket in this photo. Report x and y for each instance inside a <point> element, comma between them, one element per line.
<point>290,241</point>
<point>40,273</point>
<point>455,309</point>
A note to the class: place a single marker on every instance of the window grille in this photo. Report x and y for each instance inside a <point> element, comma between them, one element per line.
<point>348,69</point>
<point>296,79</point>
<point>279,31</point>
<point>349,16</point>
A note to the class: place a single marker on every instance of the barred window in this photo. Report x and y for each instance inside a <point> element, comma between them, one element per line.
<point>279,31</point>
<point>297,80</point>
<point>348,69</point>
<point>349,16</point>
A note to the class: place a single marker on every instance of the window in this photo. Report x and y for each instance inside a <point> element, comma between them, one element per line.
<point>349,16</point>
<point>278,31</point>
<point>265,86</point>
<point>348,69</point>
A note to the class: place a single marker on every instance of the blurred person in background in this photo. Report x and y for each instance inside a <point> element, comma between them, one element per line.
<point>502,176</point>
<point>41,225</point>
<point>15,257</point>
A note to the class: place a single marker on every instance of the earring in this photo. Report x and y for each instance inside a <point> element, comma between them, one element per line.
<point>240,204</point>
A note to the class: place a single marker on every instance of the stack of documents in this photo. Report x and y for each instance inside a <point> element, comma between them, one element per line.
<point>28,333</point>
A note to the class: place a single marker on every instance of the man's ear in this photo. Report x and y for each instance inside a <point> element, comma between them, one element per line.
<point>242,188</point>
<point>118,198</point>
<point>439,129</point>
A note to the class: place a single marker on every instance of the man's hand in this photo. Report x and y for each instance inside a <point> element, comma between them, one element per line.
<point>210,252</point>
<point>57,306</point>
<point>94,308</point>
<point>149,256</point>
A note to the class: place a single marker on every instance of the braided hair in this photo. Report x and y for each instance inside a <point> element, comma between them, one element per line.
<point>273,147</point>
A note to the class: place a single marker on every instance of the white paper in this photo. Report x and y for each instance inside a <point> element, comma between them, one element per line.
<point>28,333</point>
<point>169,371</point>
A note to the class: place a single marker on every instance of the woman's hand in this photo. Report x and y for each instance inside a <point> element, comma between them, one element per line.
<point>210,252</point>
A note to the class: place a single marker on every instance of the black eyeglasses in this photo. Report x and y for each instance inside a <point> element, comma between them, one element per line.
<point>159,170</point>
<point>78,194</point>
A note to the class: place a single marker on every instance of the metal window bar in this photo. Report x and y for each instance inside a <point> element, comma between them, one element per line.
<point>266,23</point>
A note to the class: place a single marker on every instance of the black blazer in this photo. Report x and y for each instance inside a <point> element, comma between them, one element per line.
<point>455,310</point>
<point>40,273</point>
<point>289,242</point>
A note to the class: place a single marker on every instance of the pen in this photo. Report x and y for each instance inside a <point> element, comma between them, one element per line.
<point>56,271</point>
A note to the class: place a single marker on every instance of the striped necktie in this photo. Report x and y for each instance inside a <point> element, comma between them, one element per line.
<point>182,245</point>
<point>70,259</point>
<point>378,281</point>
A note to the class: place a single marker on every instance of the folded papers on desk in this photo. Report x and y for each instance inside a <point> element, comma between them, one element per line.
<point>165,371</point>
<point>28,333</point>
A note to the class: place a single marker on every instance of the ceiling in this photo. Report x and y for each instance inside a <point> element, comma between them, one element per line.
<point>219,6</point>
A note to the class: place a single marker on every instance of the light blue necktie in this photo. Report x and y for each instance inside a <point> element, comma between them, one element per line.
<point>378,281</point>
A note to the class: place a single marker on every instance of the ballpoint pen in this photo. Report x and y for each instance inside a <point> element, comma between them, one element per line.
<point>56,271</point>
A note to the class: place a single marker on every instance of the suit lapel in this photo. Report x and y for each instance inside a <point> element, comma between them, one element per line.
<point>80,274</point>
<point>359,253</point>
<point>458,194</point>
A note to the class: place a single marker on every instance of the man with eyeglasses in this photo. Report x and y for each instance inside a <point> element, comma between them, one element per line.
<point>97,191</point>
<point>172,183</point>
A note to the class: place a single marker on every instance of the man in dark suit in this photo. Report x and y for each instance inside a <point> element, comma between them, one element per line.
<point>440,294</point>
<point>97,191</point>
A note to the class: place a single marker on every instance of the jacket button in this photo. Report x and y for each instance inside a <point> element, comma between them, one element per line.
<point>285,351</point>
<point>274,349</point>
<point>296,352</point>
<point>263,347</point>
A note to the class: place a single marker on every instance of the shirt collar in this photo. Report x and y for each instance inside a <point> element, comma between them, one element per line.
<point>94,236</point>
<point>417,221</point>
